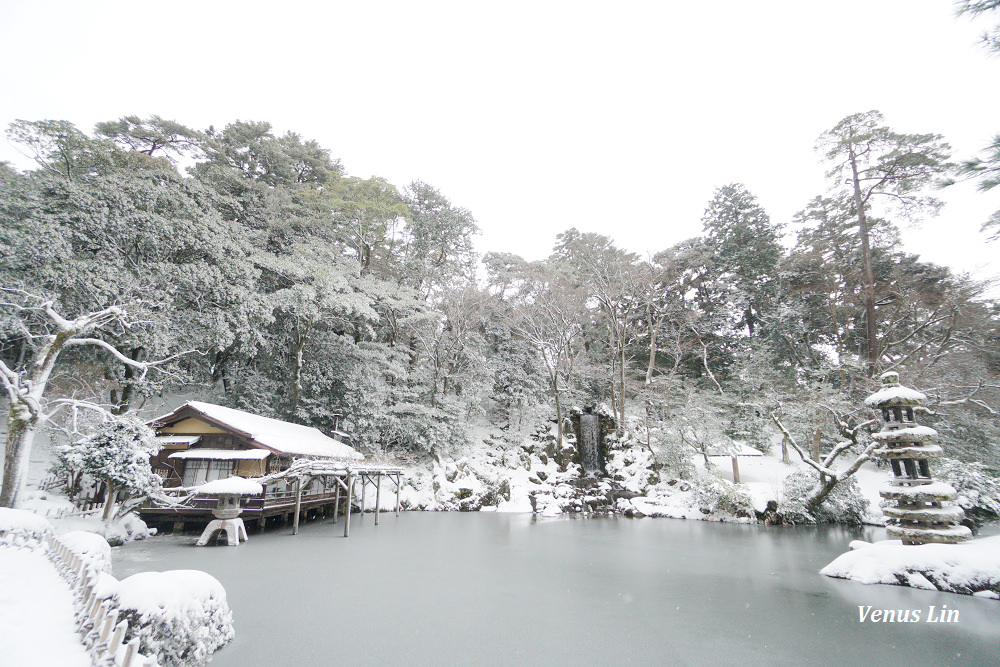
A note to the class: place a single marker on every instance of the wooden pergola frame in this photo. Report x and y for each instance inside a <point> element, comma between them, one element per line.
<point>344,475</point>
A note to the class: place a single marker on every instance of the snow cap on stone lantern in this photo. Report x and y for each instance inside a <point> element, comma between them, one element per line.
<point>920,510</point>
<point>229,491</point>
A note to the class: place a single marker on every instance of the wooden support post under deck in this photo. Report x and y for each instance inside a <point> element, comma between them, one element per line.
<point>347,513</point>
<point>298,506</point>
<point>364,492</point>
<point>398,489</point>
<point>336,500</point>
<point>378,493</point>
<point>736,470</point>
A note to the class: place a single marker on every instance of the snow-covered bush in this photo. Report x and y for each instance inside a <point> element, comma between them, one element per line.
<point>180,616</point>
<point>978,489</point>
<point>629,465</point>
<point>719,495</point>
<point>844,504</point>
<point>118,455</point>
<point>674,459</point>
<point>967,436</point>
<point>23,529</point>
<point>91,548</point>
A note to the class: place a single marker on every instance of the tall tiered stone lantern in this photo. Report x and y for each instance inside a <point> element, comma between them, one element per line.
<point>922,510</point>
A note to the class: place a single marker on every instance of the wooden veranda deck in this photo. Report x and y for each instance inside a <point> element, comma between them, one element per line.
<point>320,487</point>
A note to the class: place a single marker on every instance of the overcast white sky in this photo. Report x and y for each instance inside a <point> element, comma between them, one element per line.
<point>617,118</point>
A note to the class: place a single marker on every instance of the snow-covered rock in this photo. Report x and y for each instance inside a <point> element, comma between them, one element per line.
<point>972,568</point>
<point>181,616</point>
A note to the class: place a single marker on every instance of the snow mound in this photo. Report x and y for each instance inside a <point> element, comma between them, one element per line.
<point>92,548</point>
<point>21,528</point>
<point>970,568</point>
<point>180,616</point>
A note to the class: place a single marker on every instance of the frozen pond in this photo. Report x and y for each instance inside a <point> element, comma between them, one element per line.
<point>481,588</point>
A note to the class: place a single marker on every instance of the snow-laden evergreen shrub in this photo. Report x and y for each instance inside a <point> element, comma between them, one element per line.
<point>722,496</point>
<point>118,454</point>
<point>180,616</point>
<point>22,529</point>
<point>978,488</point>
<point>845,504</point>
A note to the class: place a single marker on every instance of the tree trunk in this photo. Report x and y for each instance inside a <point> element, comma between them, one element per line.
<point>555,394</point>
<point>826,485</point>
<point>128,386</point>
<point>621,376</point>
<point>871,323</point>
<point>21,430</point>
<point>109,501</point>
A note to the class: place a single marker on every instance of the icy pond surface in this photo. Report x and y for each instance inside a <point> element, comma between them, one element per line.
<point>505,589</point>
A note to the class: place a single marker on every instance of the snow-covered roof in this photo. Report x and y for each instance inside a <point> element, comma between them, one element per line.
<point>738,448</point>
<point>239,485</point>
<point>178,439</point>
<point>274,434</point>
<point>222,454</point>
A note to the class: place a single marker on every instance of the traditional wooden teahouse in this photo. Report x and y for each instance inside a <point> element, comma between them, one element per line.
<point>301,469</point>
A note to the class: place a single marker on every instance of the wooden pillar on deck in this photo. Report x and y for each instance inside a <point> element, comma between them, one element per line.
<point>736,470</point>
<point>378,493</point>
<point>347,512</point>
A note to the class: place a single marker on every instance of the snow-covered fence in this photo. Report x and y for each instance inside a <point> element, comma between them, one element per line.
<point>86,505</point>
<point>50,482</point>
<point>97,617</point>
<point>63,512</point>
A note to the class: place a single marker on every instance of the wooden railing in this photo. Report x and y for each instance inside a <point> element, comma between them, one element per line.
<point>272,497</point>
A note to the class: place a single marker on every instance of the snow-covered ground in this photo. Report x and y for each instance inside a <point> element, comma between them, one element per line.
<point>36,613</point>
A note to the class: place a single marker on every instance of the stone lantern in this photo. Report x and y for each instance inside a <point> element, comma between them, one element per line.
<point>227,509</point>
<point>922,509</point>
